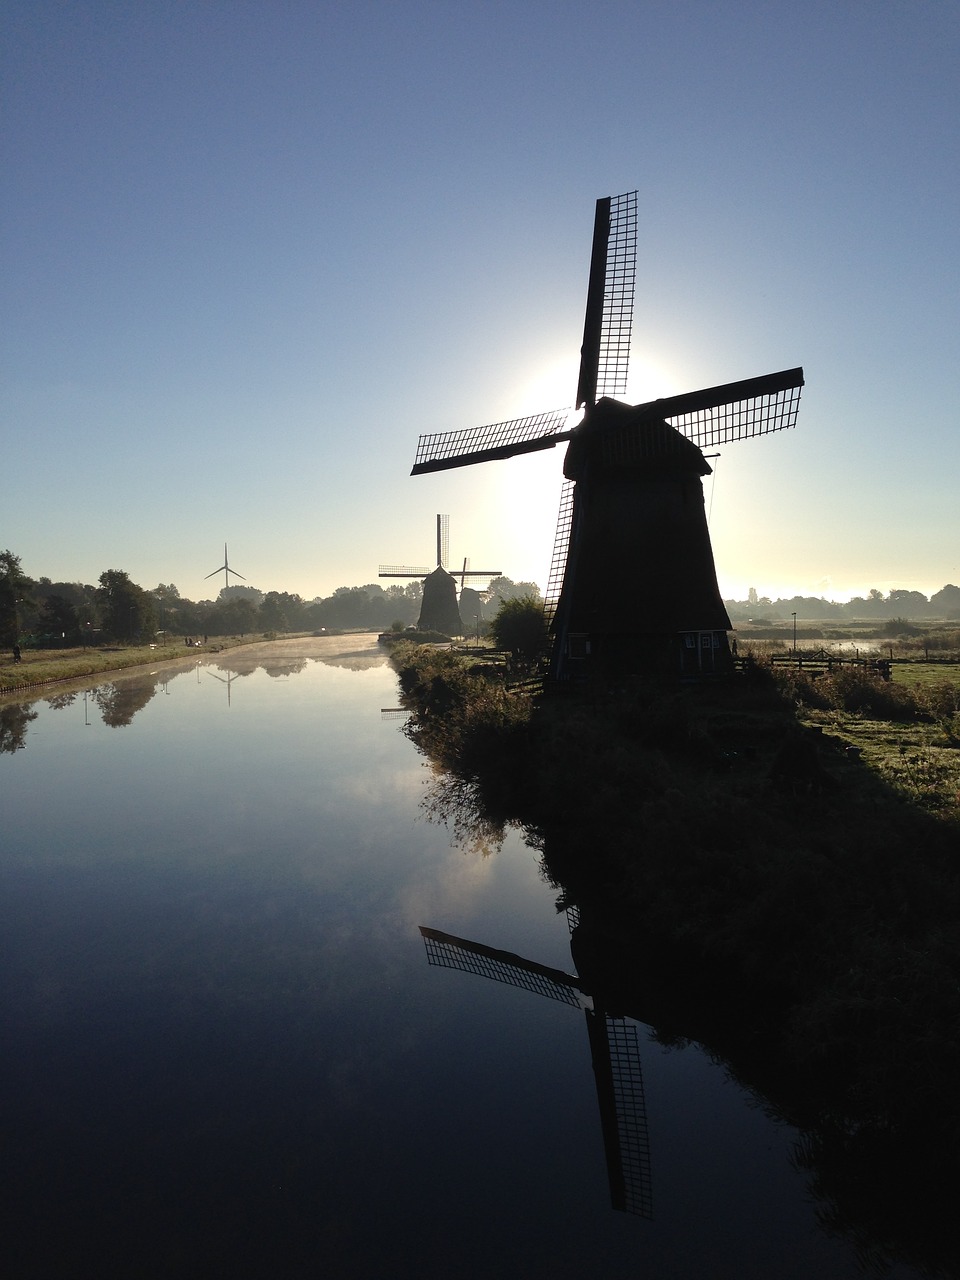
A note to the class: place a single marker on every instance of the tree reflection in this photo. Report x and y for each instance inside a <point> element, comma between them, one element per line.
<point>14,719</point>
<point>120,702</point>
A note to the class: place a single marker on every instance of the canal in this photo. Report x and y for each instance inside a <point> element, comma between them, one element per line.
<point>225,1050</point>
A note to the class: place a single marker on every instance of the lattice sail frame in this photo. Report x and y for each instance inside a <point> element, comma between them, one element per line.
<point>631,1182</point>
<point>447,952</point>
<point>444,449</point>
<point>756,415</point>
<point>558,561</point>
<point>616,327</point>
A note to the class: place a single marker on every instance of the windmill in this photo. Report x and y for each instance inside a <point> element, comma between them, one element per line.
<point>225,570</point>
<point>632,504</point>
<point>614,1051</point>
<point>438,610</point>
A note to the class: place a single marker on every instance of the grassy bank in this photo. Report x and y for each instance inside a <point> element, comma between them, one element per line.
<point>45,666</point>
<point>771,866</point>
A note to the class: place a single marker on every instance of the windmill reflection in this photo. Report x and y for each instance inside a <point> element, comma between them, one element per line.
<point>614,1051</point>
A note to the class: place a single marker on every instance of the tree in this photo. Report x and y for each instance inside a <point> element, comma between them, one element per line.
<point>234,617</point>
<point>946,601</point>
<point>273,616</point>
<point>504,588</point>
<point>58,618</point>
<point>128,611</point>
<point>15,588</point>
<point>519,627</point>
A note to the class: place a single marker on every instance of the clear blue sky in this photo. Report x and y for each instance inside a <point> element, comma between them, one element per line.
<point>252,250</point>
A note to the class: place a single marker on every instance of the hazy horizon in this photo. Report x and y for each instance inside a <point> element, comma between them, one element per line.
<point>211,593</point>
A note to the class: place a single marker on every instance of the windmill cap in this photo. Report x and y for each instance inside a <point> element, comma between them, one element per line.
<point>615,436</point>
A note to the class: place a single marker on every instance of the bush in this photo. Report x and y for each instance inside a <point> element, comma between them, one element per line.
<point>519,627</point>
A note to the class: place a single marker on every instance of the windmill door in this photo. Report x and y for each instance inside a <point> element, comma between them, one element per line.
<point>700,652</point>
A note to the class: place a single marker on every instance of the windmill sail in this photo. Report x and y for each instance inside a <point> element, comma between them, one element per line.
<point>449,952</point>
<point>449,449</point>
<point>558,561</point>
<point>443,558</point>
<point>404,571</point>
<point>608,322</point>
<point>734,411</point>
<point>614,1050</point>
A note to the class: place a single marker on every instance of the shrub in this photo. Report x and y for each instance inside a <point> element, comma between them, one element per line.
<point>519,627</point>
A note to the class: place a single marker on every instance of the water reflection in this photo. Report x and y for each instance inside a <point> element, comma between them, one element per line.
<point>882,1178</point>
<point>14,718</point>
<point>223,1054</point>
<point>119,698</point>
<point>614,1052</point>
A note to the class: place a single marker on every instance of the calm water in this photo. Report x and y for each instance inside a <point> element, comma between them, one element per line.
<point>225,1053</point>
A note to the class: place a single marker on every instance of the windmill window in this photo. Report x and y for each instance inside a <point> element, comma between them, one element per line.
<point>578,646</point>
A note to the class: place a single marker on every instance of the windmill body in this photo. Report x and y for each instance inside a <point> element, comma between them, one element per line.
<point>633,586</point>
<point>640,583</point>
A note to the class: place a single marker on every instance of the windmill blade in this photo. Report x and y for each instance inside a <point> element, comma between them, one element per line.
<point>615,1050</point>
<point>443,541</point>
<point>449,952</point>
<point>558,561</point>
<point>404,571</point>
<point>448,449</point>
<point>608,322</point>
<point>736,410</point>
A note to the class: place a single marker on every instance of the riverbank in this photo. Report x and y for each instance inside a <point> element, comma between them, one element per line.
<point>39,667</point>
<point>769,866</point>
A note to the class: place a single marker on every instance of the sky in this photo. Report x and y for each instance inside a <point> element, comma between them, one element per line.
<point>251,251</point>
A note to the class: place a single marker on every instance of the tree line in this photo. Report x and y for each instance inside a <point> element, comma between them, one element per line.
<point>48,613</point>
<point>899,603</point>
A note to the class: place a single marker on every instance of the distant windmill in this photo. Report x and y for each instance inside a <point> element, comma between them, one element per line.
<point>614,1050</point>
<point>438,609</point>
<point>632,508</point>
<point>225,570</point>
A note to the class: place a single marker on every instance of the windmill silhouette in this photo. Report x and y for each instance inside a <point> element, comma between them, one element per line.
<point>438,610</point>
<point>225,570</point>
<point>632,504</point>
<point>614,1050</point>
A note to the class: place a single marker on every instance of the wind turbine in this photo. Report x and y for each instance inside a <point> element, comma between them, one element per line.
<point>225,570</point>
